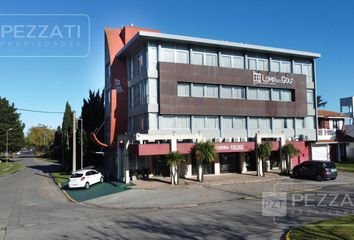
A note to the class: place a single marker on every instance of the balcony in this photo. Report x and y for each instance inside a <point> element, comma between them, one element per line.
<point>327,134</point>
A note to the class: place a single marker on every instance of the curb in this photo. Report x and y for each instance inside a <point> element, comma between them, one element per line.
<point>211,185</point>
<point>60,188</point>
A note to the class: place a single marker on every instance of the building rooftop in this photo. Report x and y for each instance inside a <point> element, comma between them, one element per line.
<point>143,36</point>
<point>329,114</point>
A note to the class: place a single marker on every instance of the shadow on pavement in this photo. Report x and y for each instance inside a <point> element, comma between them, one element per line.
<point>46,168</point>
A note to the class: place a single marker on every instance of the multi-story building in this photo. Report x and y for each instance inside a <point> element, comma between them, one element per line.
<point>163,92</point>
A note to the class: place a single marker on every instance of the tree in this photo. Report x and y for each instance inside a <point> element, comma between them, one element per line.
<point>204,152</point>
<point>174,161</point>
<point>40,137</point>
<point>264,150</point>
<point>10,118</point>
<point>67,128</point>
<point>320,102</point>
<point>92,113</point>
<point>56,149</point>
<point>290,151</point>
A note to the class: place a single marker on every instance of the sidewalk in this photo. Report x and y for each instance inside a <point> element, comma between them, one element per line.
<point>232,188</point>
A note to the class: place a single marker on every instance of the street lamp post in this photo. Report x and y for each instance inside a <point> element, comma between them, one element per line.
<point>82,144</point>
<point>7,144</point>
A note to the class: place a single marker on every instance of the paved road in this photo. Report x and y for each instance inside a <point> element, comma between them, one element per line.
<point>32,207</point>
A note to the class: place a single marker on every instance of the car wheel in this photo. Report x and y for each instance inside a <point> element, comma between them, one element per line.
<point>296,174</point>
<point>87,185</point>
<point>101,180</point>
<point>319,178</point>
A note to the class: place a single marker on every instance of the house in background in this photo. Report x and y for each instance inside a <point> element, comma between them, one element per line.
<point>346,108</point>
<point>332,142</point>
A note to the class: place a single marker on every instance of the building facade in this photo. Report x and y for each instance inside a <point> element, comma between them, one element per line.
<point>164,92</point>
<point>332,142</point>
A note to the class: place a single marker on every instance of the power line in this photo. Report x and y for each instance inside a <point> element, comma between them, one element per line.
<point>38,111</point>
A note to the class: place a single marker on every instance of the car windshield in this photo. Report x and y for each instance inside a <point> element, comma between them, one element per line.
<point>76,175</point>
<point>329,165</point>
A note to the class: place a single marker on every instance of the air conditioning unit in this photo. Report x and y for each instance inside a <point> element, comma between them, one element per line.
<point>243,139</point>
<point>228,139</point>
<point>218,140</point>
<point>301,137</point>
<point>236,139</point>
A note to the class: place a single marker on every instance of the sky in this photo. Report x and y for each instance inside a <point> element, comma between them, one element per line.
<point>46,83</point>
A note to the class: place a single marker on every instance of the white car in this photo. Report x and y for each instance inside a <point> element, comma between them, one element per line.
<point>85,178</point>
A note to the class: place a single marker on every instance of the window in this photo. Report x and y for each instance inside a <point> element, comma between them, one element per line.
<point>198,122</point>
<point>282,95</point>
<point>310,122</point>
<point>210,59</point>
<point>167,55</point>
<point>174,53</point>
<point>277,65</point>
<point>286,95</point>
<point>259,123</point>
<point>197,90</point>
<point>258,94</point>
<point>206,57</point>
<point>278,123</point>
<point>253,123</point>
<point>197,58</point>
<point>299,123</point>
<point>182,57</point>
<point>310,99</point>
<point>211,91</point>
<point>138,64</point>
<point>238,62</point>
<point>282,123</point>
<point>252,64</point>
<point>183,89</point>
<point>239,92</point>
<point>304,68</point>
<point>211,122</point>
<point>289,123</point>
<point>239,123</point>
<point>252,93</point>
<point>167,122</point>
<point>225,92</point>
<point>232,61</point>
<point>263,94</point>
<point>264,123</point>
<point>226,123</point>
<point>260,64</point>
<point>276,95</point>
<point>225,61</point>
<point>232,92</point>
<point>183,122</point>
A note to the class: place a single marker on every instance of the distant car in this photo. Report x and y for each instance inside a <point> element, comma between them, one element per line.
<point>319,170</point>
<point>85,178</point>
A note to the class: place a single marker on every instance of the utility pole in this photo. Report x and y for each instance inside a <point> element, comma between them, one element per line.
<point>82,144</point>
<point>7,144</point>
<point>74,141</point>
